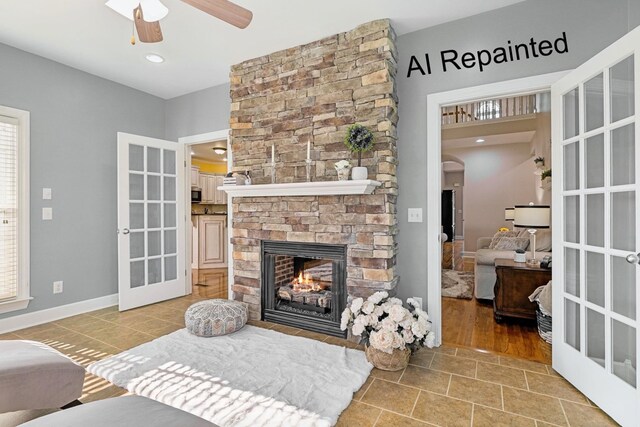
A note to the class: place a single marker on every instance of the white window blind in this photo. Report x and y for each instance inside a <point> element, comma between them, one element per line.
<point>9,130</point>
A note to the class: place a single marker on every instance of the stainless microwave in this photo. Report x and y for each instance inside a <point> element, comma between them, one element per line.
<point>196,195</point>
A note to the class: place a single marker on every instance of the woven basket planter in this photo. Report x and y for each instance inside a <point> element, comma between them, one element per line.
<point>395,361</point>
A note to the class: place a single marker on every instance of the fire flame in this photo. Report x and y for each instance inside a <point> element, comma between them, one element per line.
<point>304,283</point>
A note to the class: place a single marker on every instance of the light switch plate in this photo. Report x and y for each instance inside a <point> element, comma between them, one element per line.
<point>47,214</point>
<point>46,194</point>
<point>58,287</point>
<point>415,214</point>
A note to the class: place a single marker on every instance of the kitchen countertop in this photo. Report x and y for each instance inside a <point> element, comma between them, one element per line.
<point>209,214</point>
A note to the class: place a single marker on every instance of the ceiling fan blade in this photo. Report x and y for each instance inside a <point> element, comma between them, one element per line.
<point>148,32</point>
<point>229,12</point>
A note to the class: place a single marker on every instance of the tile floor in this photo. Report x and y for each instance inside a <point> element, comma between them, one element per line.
<point>447,386</point>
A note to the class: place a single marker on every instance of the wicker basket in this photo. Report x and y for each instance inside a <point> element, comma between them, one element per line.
<point>544,326</point>
<point>395,361</point>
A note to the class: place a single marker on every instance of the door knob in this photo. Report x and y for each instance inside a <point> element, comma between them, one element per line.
<point>125,231</point>
<point>633,258</point>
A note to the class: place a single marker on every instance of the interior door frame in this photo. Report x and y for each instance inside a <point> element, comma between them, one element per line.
<point>532,84</point>
<point>187,142</point>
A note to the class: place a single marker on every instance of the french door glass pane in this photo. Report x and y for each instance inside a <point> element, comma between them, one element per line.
<point>136,216</point>
<point>572,219</point>
<point>595,336</point>
<point>136,273</point>
<point>594,227</point>
<point>136,187</point>
<point>572,271</point>
<point>622,91</point>
<point>136,158</point>
<point>571,166</point>
<point>572,324</point>
<point>170,242</point>
<point>170,268</point>
<point>595,278</point>
<point>169,214</point>
<point>153,187</point>
<point>169,188</point>
<point>154,243</point>
<point>153,215</point>
<point>623,221</point>
<point>625,361</point>
<point>169,162</point>
<point>594,103</point>
<point>623,155</point>
<point>136,245</point>
<point>155,270</point>
<point>153,159</point>
<point>571,104</point>
<point>623,287</point>
<point>594,157</point>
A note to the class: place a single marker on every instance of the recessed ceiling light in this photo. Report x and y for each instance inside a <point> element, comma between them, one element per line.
<point>193,153</point>
<point>219,150</point>
<point>479,141</point>
<point>224,159</point>
<point>155,58</point>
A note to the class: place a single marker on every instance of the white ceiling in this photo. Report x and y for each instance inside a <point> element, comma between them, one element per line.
<point>205,152</point>
<point>199,49</point>
<point>505,138</point>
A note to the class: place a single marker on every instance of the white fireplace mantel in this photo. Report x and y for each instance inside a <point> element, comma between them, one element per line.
<point>323,188</point>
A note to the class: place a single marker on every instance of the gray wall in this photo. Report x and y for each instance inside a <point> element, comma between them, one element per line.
<point>74,120</point>
<point>591,25</point>
<point>198,112</point>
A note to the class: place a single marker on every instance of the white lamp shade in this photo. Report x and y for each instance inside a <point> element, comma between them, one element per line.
<point>509,214</point>
<point>532,216</point>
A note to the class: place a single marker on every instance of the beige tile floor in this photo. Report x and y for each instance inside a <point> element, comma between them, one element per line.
<point>441,387</point>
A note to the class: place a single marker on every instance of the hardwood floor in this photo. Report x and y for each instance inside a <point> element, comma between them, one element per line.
<point>469,323</point>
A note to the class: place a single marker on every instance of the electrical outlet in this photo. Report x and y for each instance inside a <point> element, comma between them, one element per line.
<point>58,287</point>
<point>47,214</point>
<point>418,300</point>
<point>46,194</point>
<point>415,214</point>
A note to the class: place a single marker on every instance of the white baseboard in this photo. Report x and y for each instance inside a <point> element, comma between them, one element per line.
<point>27,320</point>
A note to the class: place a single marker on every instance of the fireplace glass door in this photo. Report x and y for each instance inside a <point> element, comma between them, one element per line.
<point>303,285</point>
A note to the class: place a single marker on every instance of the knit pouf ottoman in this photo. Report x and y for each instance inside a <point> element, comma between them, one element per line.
<point>215,317</point>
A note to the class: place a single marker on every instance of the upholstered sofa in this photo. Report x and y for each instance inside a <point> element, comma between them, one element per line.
<point>485,272</point>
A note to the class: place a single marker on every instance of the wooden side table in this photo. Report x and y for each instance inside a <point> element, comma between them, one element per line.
<point>515,281</point>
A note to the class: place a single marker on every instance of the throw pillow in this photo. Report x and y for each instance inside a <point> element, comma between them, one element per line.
<point>499,235</point>
<point>512,243</point>
<point>543,240</point>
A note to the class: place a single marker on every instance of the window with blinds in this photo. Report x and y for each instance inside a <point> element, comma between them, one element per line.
<point>9,128</point>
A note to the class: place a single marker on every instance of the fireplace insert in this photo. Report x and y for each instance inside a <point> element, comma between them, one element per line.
<point>304,285</point>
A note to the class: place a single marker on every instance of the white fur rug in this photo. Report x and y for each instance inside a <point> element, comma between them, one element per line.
<point>253,377</point>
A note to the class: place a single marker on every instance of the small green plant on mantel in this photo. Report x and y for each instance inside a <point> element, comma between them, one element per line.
<point>545,174</point>
<point>358,139</point>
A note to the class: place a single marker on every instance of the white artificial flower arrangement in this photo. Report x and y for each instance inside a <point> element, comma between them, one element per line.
<point>385,324</point>
<point>342,164</point>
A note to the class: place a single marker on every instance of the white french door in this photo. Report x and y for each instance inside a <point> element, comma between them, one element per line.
<point>151,220</point>
<point>596,206</point>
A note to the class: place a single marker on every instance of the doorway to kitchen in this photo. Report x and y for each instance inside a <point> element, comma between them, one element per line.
<point>207,160</point>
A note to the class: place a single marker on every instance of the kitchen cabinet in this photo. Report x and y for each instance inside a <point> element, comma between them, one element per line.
<point>210,194</point>
<point>195,176</point>
<point>212,241</point>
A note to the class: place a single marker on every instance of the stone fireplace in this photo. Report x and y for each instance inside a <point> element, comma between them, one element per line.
<point>304,285</point>
<point>312,94</point>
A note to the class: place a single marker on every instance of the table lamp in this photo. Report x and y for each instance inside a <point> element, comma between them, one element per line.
<point>532,217</point>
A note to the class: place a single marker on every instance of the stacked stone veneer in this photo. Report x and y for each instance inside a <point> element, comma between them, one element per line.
<point>313,93</point>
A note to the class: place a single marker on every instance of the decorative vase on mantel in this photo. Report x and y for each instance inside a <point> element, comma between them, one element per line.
<point>359,173</point>
<point>396,361</point>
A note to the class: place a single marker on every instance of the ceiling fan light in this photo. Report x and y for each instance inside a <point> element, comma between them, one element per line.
<point>123,7</point>
<point>153,10</point>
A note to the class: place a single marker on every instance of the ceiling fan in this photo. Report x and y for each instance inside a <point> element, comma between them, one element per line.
<point>146,14</point>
